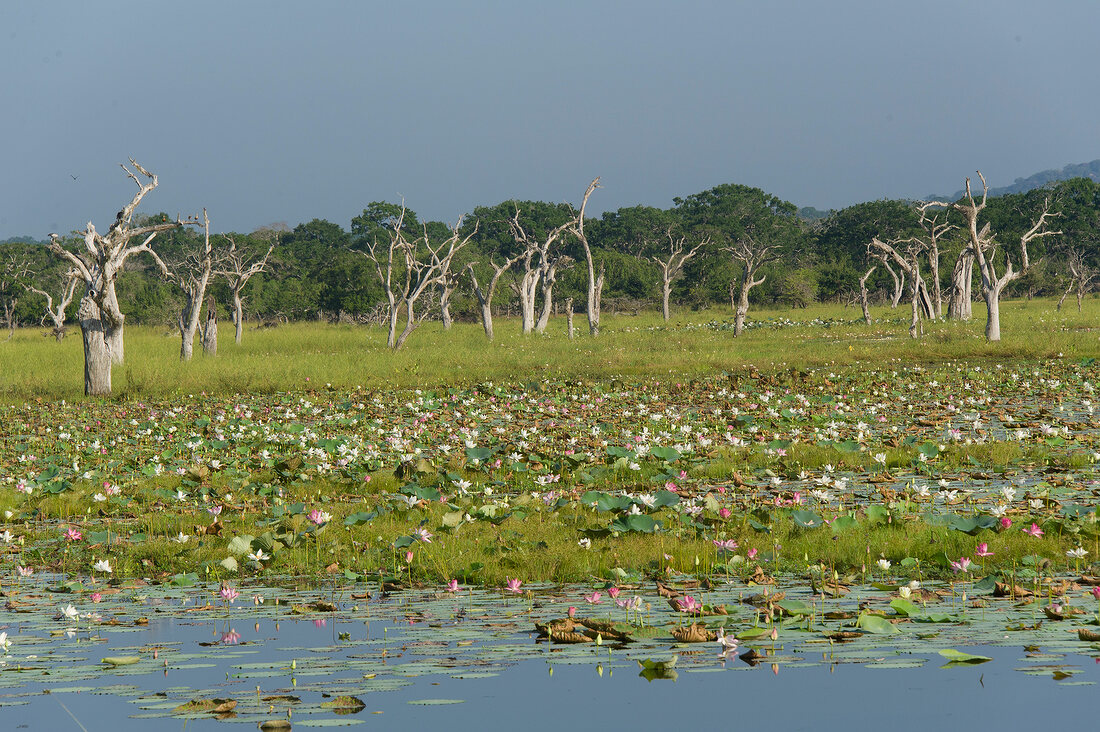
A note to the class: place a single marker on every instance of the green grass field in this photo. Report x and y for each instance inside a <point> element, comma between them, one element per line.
<point>303,355</point>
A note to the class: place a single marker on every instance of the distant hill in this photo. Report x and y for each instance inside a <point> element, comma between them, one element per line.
<point>21,240</point>
<point>1038,180</point>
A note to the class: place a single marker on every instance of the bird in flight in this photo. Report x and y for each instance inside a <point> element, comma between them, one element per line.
<point>74,177</point>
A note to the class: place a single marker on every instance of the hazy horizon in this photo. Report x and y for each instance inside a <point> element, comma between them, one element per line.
<point>278,112</point>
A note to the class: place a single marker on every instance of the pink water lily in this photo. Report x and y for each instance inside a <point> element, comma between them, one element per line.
<point>72,534</point>
<point>613,592</point>
<point>593,599</point>
<point>983,550</point>
<point>452,586</point>
<point>963,565</point>
<point>1034,530</point>
<point>513,585</point>
<point>688,604</point>
<point>228,593</point>
<point>725,545</point>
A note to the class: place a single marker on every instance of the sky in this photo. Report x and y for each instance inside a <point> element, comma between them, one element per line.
<point>268,112</point>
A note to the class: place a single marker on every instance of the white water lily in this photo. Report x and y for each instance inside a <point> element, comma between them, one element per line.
<point>1078,553</point>
<point>259,556</point>
<point>181,538</point>
<point>102,565</point>
<point>904,592</point>
<point>70,612</point>
<point>4,642</point>
<point>883,564</point>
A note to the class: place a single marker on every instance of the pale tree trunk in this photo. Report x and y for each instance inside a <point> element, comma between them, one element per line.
<point>569,316</point>
<point>747,283</point>
<point>114,322</point>
<point>863,295</point>
<point>1065,294</point>
<point>192,274</point>
<point>595,282</point>
<point>934,267</point>
<point>899,284</point>
<point>666,292</point>
<point>992,297</point>
<point>547,281</point>
<point>97,351</point>
<point>210,330</point>
<point>238,316</point>
<point>485,297</point>
<point>446,289</point>
<point>960,298</point>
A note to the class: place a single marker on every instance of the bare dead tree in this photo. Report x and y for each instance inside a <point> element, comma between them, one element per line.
<point>674,265</point>
<point>985,246</point>
<point>899,280</point>
<point>863,295</point>
<point>1082,276</point>
<point>906,255</point>
<point>935,228</point>
<point>540,262</point>
<point>595,281</point>
<point>485,296</point>
<point>56,313</point>
<point>210,329</point>
<point>569,316</point>
<point>191,274</point>
<point>548,277</point>
<point>752,255</point>
<point>447,287</point>
<point>408,268</point>
<point>238,267</point>
<point>101,320</point>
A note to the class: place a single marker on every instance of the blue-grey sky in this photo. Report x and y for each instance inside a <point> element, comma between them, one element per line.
<point>288,111</point>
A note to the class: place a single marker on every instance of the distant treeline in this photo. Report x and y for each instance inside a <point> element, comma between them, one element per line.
<point>318,269</point>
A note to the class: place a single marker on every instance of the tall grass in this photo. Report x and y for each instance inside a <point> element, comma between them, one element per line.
<point>312,355</point>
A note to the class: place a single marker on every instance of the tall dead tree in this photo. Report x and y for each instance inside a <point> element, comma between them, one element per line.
<point>210,328</point>
<point>447,286</point>
<point>238,267</point>
<point>595,281</point>
<point>101,320</point>
<point>408,268</point>
<point>863,295</point>
<point>935,228</point>
<point>985,246</point>
<point>906,254</point>
<point>191,274</point>
<point>752,254</point>
<point>540,263</point>
<point>485,296</point>
<point>674,265</point>
<point>56,313</point>
<point>1082,275</point>
<point>548,277</point>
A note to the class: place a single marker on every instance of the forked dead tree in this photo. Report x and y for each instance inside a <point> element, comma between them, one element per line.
<point>191,274</point>
<point>540,263</point>
<point>752,255</point>
<point>673,265</point>
<point>485,296</point>
<point>238,267</point>
<point>1082,275</point>
<point>56,313</point>
<point>863,294</point>
<point>210,328</point>
<point>595,281</point>
<point>101,320</point>
<point>408,268</point>
<point>985,246</point>
<point>935,228</point>
<point>906,254</point>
